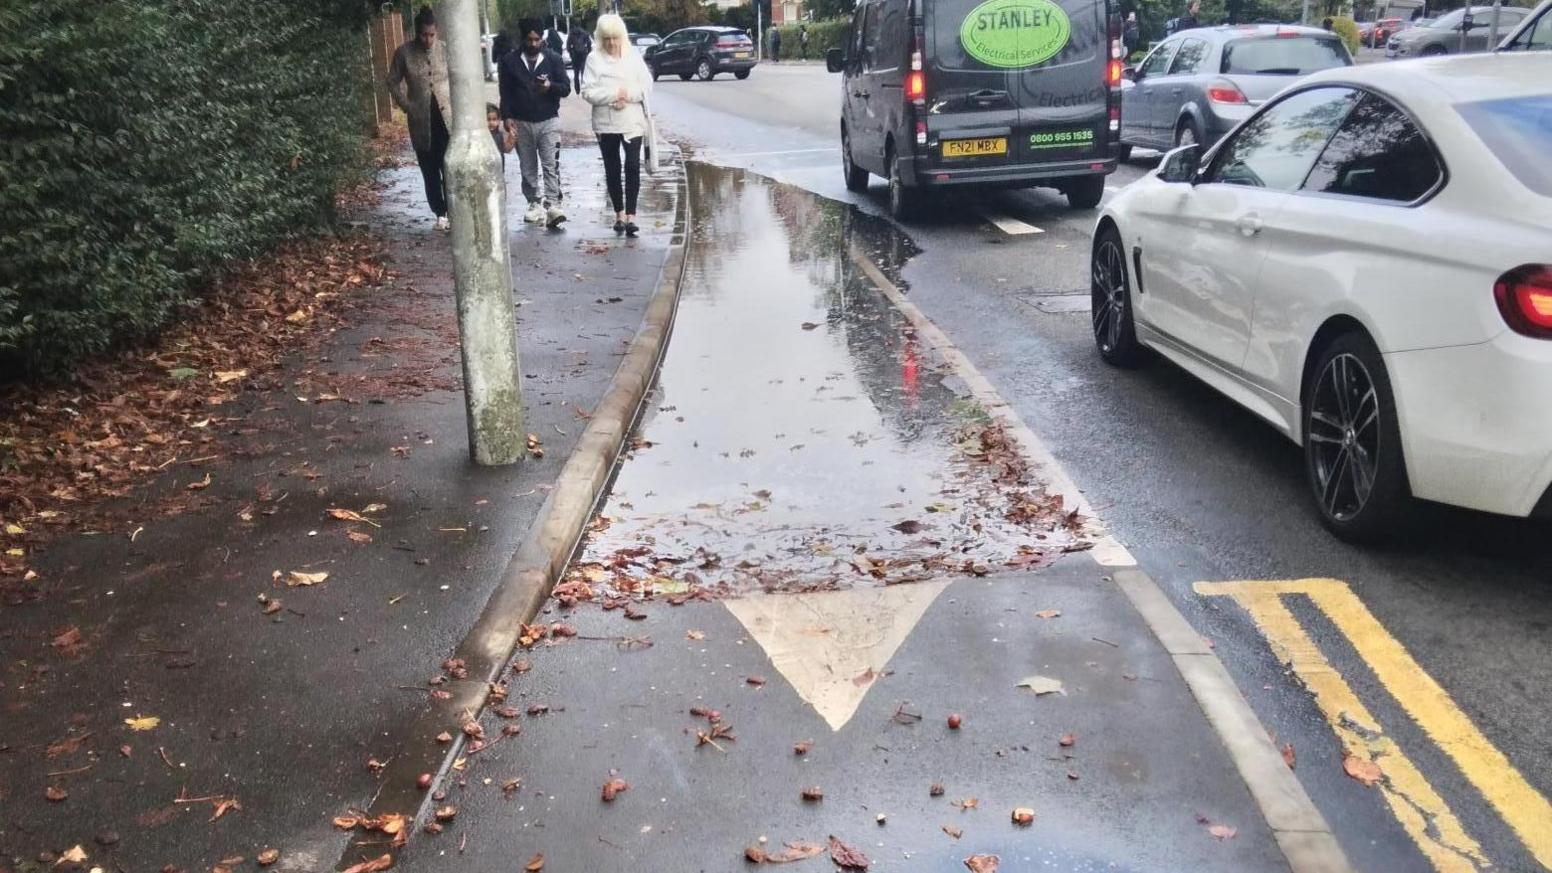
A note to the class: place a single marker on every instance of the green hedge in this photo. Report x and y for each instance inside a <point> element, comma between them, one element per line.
<point>1347,29</point>
<point>822,36</point>
<point>143,144</point>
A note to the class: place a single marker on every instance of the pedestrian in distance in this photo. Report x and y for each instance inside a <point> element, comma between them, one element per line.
<point>1131,34</point>
<point>775,46</point>
<point>553,42</point>
<point>501,46</point>
<point>1189,21</point>
<point>803,41</point>
<point>532,81</point>
<point>617,83</point>
<point>417,81</point>
<point>580,44</point>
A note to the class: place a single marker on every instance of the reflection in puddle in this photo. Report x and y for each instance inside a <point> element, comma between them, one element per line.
<point>801,436</point>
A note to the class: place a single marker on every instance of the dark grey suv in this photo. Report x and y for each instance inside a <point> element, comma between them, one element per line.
<point>1196,85</point>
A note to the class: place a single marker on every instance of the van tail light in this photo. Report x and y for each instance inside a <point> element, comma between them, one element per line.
<point>916,79</point>
<point>921,133</point>
<point>1113,73</point>
<point>1524,296</point>
<point>1223,91</point>
<point>1115,118</point>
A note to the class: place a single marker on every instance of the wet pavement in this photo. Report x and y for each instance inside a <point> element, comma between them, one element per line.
<point>1201,491</point>
<point>818,551</point>
<point>285,710</point>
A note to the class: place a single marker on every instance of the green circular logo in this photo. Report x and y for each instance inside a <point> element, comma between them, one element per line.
<point>1015,33</point>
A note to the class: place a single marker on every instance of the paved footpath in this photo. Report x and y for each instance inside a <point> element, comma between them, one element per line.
<point>826,598</point>
<point>289,711</point>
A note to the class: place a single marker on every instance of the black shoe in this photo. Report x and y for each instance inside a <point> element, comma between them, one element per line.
<point>619,227</point>
<point>631,229</point>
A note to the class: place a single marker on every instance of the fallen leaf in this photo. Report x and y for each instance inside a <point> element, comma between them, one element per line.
<point>1023,816</point>
<point>694,635</point>
<point>935,790</point>
<point>223,805</point>
<point>66,746</point>
<point>55,793</point>
<point>297,578</point>
<point>1067,740</point>
<point>1048,613</point>
<point>952,831</point>
<point>67,640</point>
<point>846,857</point>
<point>1362,769</point>
<point>968,803</point>
<point>381,862</point>
<point>142,723</point>
<point>359,537</point>
<point>446,813</point>
<point>796,850</point>
<point>535,864</point>
<point>802,747</point>
<point>1288,756</point>
<point>351,515</point>
<point>909,526</point>
<point>756,681</point>
<point>225,376</point>
<point>1043,685</point>
<point>268,857</point>
<point>1222,831</point>
<point>982,863</point>
<point>612,789</point>
<point>809,325</point>
<point>74,855</point>
<point>813,792</point>
<point>201,485</point>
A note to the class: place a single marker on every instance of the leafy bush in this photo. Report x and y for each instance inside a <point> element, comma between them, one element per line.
<point>1347,29</point>
<point>822,36</point>
<point>142,145</point>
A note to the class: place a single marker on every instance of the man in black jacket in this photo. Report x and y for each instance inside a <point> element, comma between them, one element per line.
<point>533,80</point>
<point>580,44</point>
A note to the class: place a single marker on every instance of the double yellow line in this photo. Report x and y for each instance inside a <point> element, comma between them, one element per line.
<point>1424,815</point>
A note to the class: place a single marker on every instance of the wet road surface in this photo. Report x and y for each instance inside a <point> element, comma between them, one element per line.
<point>816,553</point>
<point>1202,492</point>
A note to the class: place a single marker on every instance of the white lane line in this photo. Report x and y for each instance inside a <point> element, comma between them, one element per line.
<point>1010,225</point>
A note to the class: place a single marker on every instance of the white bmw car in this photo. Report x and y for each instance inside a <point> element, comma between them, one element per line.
<point>1366,263</point>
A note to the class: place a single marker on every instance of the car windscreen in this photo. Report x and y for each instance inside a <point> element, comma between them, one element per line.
<point>1518,130</point>
<point>998,35</point>
<point>1283,55</point>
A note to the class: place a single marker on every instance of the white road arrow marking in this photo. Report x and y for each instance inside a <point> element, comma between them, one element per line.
<point>825,643</point>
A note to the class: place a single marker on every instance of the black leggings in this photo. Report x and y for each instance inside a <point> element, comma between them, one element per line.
<point>611,144</point>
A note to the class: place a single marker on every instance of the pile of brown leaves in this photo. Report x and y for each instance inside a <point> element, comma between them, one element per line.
<point>123,419</point>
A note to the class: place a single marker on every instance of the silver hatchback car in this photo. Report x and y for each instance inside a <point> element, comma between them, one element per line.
<point>1196,85</point>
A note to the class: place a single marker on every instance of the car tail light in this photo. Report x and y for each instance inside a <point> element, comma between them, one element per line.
<point>1115,118</point>
<point>1225,92</point>
<point>1524,296</point>
<point>921,133</point>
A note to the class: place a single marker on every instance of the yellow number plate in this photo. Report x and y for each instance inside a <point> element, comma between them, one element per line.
<point>973,148</point>
<point>740,54</point>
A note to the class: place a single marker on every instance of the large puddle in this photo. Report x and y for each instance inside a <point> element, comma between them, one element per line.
<point>802,437</point>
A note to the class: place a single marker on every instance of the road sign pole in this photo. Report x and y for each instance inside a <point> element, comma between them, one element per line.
<point>482,270</point>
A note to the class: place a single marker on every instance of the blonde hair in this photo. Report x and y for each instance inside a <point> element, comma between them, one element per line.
<point>610,26</point>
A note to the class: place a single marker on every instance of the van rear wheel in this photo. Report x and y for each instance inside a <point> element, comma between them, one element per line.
<point>1085,192</point>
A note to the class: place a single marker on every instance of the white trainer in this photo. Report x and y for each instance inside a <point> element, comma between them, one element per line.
<point>535,214</point>
<point>554,217</point>
<point>441,222</point>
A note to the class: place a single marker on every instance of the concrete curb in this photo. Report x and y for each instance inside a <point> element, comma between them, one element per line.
<point>1300,830</point>
<point>542,556</point>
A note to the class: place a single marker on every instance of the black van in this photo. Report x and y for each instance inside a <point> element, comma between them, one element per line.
<point>996,93</point>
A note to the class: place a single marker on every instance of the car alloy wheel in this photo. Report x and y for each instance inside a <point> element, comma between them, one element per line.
<point>1111,301</point>
<point>703,70</point>
<point>1186,135</point>
<point>902,199</point>
<point>1345,433</point>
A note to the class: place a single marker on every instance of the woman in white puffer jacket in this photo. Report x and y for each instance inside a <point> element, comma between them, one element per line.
<point>616,82</point>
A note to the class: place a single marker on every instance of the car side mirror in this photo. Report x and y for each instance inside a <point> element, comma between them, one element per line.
<point>835,60</point>
<point>1131,74</point>
<point>1182,164</point>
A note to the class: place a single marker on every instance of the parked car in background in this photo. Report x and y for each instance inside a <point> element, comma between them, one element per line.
<point>1444,36</point>
<point>1196,85</point>
<point>643,41</point>
<point>1534,34</point>
<point>1364,264</point>
<point>965,94</point>
<point>702,52</point>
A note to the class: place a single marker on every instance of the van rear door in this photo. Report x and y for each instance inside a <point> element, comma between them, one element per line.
<point>1018,81</point>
